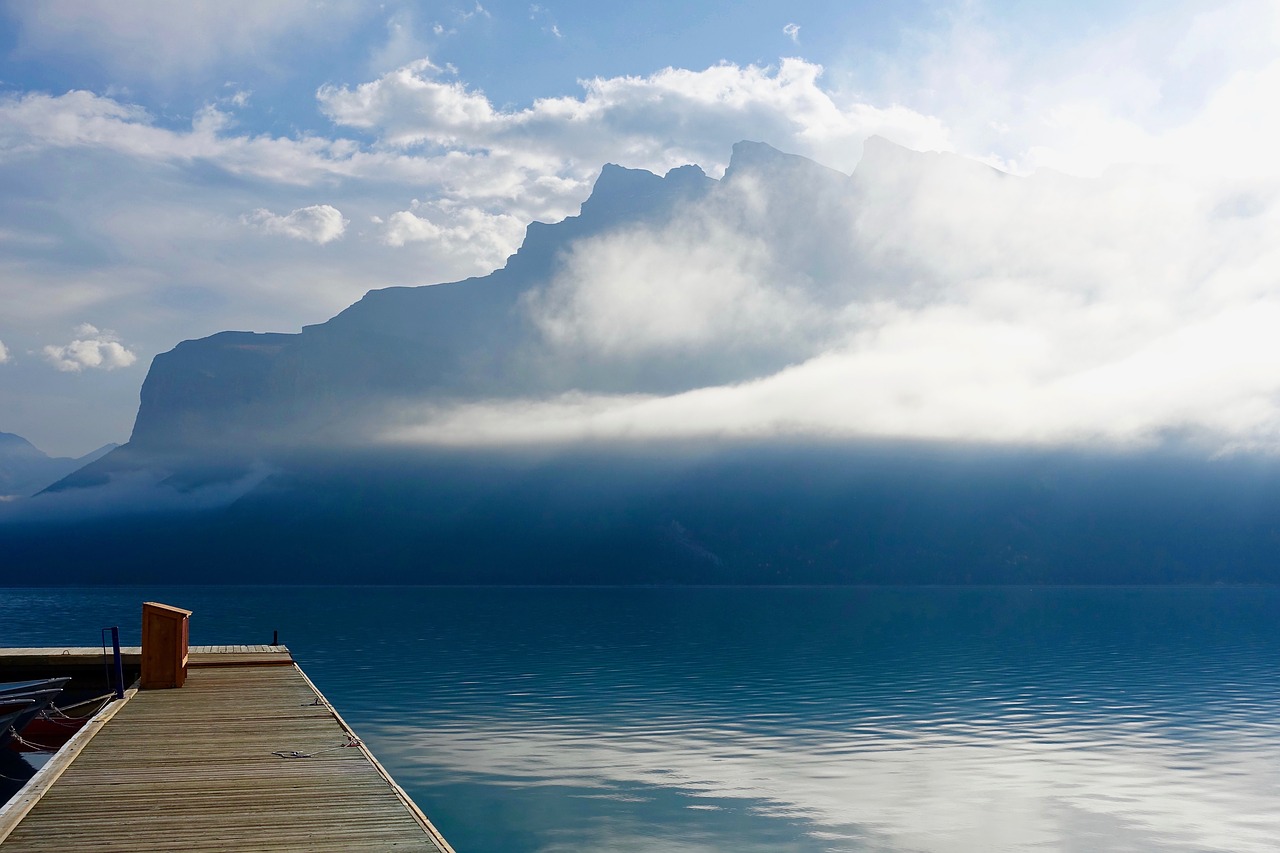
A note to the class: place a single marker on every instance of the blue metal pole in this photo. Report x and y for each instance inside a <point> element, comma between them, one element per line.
<point>115,648</point>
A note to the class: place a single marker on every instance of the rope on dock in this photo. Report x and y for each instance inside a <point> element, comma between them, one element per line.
<point>53,711</point>
<point>352,740</point>
<point>13,734</point>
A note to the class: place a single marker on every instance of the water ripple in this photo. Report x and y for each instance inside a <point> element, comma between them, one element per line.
<point>793,719</point>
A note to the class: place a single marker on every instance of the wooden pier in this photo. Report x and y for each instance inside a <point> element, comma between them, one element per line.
<point>246,756</point>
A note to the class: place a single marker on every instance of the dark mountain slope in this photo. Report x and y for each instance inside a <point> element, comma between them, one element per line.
<point>446,340</point>
<point>25,470</point>
<point>751,514</point>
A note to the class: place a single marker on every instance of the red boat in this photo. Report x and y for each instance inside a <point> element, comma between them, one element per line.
<point>52,727</point>
<point>47,733</point>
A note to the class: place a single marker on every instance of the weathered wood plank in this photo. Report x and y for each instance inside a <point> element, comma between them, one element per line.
<point>194,769</point>
<point>53,657</point>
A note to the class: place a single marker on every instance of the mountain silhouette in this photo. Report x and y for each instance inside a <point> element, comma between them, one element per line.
<point>25,470</point>
<point>495,336</point>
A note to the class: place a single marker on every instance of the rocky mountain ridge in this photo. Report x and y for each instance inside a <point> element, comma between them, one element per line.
<point>25,469</point>
<point>504,335</point>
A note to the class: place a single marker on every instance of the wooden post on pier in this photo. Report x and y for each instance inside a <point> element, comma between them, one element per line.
<point>165,637</point>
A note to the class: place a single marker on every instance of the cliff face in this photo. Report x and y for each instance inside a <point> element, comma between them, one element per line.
<point>460,339</point>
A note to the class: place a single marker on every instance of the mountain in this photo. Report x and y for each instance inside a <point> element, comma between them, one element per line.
<point>533,328</point>
<point>467,338</point>
<point>25,470</point>
<point>560,419</point>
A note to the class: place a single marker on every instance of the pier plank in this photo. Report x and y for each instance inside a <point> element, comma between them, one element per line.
<point>193,769</point>
<point>54,657</point>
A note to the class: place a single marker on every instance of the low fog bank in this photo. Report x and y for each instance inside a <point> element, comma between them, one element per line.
<point>750,513</point>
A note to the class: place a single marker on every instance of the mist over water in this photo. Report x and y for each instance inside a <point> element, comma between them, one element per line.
<point>749,513</point>
<point>805,719</point>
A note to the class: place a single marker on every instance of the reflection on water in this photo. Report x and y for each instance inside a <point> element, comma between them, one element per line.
<point>782,719</point>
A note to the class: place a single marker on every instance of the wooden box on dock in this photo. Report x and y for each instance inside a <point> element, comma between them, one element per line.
<point>165,635</point>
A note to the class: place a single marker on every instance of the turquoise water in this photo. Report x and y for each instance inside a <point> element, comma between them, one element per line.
<point>925,719</point>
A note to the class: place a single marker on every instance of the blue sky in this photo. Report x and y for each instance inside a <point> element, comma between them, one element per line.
<point>171,170</point>
<point>515,52</point>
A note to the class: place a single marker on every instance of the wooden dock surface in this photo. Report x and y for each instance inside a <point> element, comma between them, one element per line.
<point>53,656</point>
<point>195,769</point>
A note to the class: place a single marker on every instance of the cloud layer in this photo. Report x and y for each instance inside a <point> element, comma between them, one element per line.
<point>662,120</point>
<point>931,298</point>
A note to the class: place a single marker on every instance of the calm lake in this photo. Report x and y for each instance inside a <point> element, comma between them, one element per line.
<point>797,719</point>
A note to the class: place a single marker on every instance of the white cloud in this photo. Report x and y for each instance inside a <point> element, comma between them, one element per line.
<point>691,285</point>
<point>93,349</point>
<point>33,124</point>
<point>403,227</point>
<point>792,31</point>
<point>662,120</point>
<point>4,353</point>
<point>318,223</point>
<point>529,164</point>
<point>466,230</point>
<point>1181,91</point>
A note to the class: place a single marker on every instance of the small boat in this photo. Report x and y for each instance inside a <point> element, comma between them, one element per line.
<point>35,696</point>
<point>11,710</point>
<point>47,734</point>
<point>55,725</point>
<point>14,688</point>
